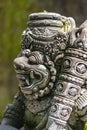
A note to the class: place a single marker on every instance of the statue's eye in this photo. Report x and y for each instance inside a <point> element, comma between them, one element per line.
<point>32,60</point>
<point>35,58</point>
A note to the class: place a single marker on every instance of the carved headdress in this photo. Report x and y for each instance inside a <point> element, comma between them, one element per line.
<point>46,33</point>
<point>43,44</point>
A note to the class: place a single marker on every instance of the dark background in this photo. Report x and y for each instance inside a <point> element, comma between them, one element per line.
<point>13,20</point>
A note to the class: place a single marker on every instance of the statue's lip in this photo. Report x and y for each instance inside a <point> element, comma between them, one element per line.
<point>21,72</point>
<point>28,78</point>
<point>22,69</point>
<point>22,79</point>
<point>26,84</point>
<point>20,76</point>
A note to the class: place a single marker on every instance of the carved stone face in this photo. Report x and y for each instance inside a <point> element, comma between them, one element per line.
<point>46,36</point>
<point>45,40</point>
<point>33,75</point>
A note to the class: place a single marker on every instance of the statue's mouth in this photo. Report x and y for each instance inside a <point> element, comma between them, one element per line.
<point>32,77</point>
<point>28,79</point>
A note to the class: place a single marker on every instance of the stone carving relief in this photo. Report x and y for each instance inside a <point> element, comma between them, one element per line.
<point>52,72</point>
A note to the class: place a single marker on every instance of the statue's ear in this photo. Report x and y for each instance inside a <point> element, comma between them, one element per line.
<point>68,24</point>
<point>84,25</point>
<point>72,24</point>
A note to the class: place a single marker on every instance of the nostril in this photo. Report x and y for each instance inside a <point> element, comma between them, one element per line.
<point>19,66</point>
<point>15,66</point>
<point>22,66</point>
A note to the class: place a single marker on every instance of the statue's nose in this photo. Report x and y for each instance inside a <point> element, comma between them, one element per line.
<point>18,63</point>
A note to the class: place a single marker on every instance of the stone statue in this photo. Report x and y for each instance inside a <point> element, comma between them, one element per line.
<point>52,72</point>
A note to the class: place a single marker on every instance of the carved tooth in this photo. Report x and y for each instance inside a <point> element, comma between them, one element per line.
<point>35,89</point>
<point>32,74</point>
<point>27,82</point>
<point>50,85</point>
<point>53,78</point>
<point>46,90</point>
<point>41,93</point>
<point>35,96</point>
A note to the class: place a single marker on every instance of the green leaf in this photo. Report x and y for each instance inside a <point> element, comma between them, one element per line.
<point>85,127</point>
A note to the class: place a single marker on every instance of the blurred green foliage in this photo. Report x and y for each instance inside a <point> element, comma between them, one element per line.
<point>85,127</point>
<point>5,99</point>
<point>13,20</point>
